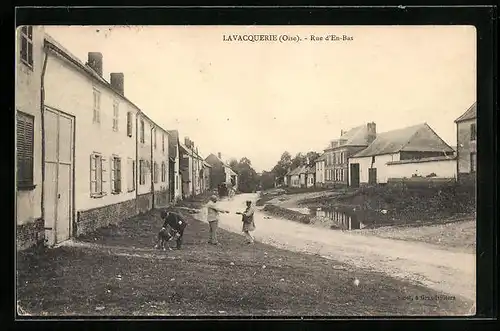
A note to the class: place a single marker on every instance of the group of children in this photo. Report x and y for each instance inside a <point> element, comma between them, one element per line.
<point>174,224</point>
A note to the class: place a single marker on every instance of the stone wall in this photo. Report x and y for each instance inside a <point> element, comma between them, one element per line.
<point>144,202</point>
<point>93,219</point>
<point>30,234</point>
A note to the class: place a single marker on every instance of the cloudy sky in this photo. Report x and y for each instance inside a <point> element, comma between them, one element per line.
<point>258,99</point>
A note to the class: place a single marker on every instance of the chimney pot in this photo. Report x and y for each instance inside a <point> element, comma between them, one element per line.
<point>219,155</point>
<point>116,81</point>
<point>95,62</point>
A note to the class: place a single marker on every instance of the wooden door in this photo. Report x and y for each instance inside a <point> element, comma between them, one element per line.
<point>58,184</point>
<point>354,172</point>
<point>372,176</point>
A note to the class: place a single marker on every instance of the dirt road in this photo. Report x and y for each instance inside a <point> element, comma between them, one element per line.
<point>450,272</point>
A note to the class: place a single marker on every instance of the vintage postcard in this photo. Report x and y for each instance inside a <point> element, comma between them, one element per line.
<point>246,170</point>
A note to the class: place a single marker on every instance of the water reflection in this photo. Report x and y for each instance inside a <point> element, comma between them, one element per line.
<point>342,220</point>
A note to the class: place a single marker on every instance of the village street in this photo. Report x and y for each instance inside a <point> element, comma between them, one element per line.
<point>450,272</point>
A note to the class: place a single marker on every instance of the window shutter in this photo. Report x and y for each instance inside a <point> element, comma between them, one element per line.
<point>129,124</point>
<point>112,174</point>
<point>103,175</point>
<point>118,176</point>
<point>93,183</point>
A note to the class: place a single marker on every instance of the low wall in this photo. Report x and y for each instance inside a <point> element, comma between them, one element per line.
<point>30,234</point>
<point>90,220</point>
<point>144,202</point>
<point>162,199</point>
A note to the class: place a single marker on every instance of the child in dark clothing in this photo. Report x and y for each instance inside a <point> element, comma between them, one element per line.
<point>173,227</point>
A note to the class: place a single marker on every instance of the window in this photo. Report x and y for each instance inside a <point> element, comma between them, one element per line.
<point>129,123</point>
<point>97,107</point>
<point>163,171</point>
<point>97,175</point>
<point>142,131</point>
<point>473,162</point>
<point>163,142</point>
<point>131,175</point>
<point>142,173</point>
<point>116,115</point>
<point>155,172</point>
<point>27,45</point>
<point>24,150</point>
<point>473,132</point>
<point>176,182</point>
<point>116,175</point>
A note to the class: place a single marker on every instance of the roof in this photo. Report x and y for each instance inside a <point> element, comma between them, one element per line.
<point>172,143</point>
<point>225,164</point>
<point>51,43</point>
<point>357,136</point>
<point>469,114</point>
<point>322,157</point>
<point>311,170</point>
<point>206,164</point>
<point>416,138</point>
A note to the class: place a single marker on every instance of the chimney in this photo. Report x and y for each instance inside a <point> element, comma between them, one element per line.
<point>95,62</point>
<point>342,132</point>
<point>219,155</point>
<point>116,80</point>
<point>371,129</point>
<point>186,141</point>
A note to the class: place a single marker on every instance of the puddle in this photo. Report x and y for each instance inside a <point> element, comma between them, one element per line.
<point>346,218</point>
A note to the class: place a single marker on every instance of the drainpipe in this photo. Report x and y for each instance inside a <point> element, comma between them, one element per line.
<point>42,124</point>
<point>152,168</point>
<point>136,179</point>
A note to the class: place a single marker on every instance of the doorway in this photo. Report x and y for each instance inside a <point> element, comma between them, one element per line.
<point>372,176</point>
<point>354,174</point>
<point>58,169</point>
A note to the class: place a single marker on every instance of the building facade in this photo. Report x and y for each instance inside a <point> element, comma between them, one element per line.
<point>161,194</point>
<point>341,149</point>
<point>220,172</point>
<point>175,180</point>
<point>320,171</point>
<point>90,145</point>
<point>408,152</point>
<point>29,68</point>
<point>466,144</point>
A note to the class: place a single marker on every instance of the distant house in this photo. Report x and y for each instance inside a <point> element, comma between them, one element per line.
<point>310,176</point>
<point>294,176</point>
<point>466,144</point>
<point>320,170</point>
<point>413,151</point>
<point>175,182</point>
<point>339,151</point>
<point>221,172</point>
<point>303,176</point>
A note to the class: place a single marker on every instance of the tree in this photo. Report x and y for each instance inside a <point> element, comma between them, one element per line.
<point>312,156</point>
<point>247,177</point>
<point>233,163</point>
<point>299,160</point>
<point>282,167</point>
<point>267,180</point>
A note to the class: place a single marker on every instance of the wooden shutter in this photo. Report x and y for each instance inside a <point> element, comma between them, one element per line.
<point>24,149</point>
<point>129,124</point>
<point>112,174</point>
<point>103,175</point>
<point>133,175</point>
<point>118,175</point>
<point>93,177</point>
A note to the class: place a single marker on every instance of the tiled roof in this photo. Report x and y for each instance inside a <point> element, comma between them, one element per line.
<point>416,138</point>
<point>470,114</point>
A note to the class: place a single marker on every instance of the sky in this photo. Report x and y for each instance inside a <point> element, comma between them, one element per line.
<point>259,99</point>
